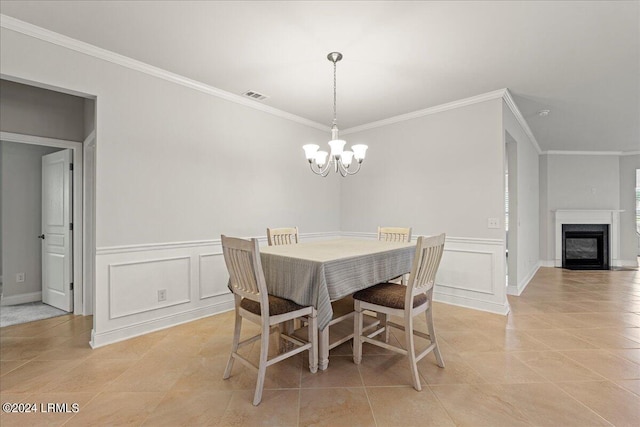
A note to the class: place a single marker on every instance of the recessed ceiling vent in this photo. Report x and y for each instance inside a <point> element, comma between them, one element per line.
<point>255,95</point>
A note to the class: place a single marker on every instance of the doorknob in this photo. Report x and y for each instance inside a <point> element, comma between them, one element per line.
<point>41,236</point>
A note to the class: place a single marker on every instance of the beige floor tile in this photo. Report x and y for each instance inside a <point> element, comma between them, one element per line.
<point>470,340</point>
<point>342,372</point>
<point>134,348</point>
<point>116,409</point>
<point>608,338</point>
<point>559,340</point>
<point>515,340</point>
<point>632,355</point>
<point>185,408</point>
<point>456,370</point>
<point>7,366</point>
<point>27,348</point>
<point>606,364</point>
<point>337,407</point>
<point>53,409</point>
<point>540,404</point>
<point>150,374</point>
<point>527,321</point>
<point>501,368</point>
<point>631,385</point>
<point>278,408</point>
<point>555,366</point>
<point>91,375</point>
<point>613,403</point>
<point>34,375</point>
<point>404,405</point>
<point>387,371</point>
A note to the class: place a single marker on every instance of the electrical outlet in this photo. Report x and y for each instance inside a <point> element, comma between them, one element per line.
<point>493,223</point>
<point>20,278</point>
<point>162,295</point>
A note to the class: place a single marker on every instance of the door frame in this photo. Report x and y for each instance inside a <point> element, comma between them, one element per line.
<point>81,228</point>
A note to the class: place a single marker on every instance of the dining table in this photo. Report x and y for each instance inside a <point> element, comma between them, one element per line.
<point>318,272</point>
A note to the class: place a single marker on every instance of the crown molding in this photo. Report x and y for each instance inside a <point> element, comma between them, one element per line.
<point>114,58</point>
<point>508,99</point>
<point>427,111</point>
<point>503,94</point>
<point>590,153</point>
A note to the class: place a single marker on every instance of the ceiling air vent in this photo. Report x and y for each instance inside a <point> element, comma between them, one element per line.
<point>255,95</point>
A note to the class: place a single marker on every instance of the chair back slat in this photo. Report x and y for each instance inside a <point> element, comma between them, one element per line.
<point>246,276</point>
<point>282,236</point>
<point>394,234</point>
<point>425,264</point>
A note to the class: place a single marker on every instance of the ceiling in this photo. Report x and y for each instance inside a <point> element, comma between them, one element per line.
<point>580,60</point>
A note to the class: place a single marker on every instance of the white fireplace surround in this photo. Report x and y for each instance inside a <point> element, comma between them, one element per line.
<point>590,216</point>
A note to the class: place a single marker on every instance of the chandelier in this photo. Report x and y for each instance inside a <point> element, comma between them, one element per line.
<point>339,159</point>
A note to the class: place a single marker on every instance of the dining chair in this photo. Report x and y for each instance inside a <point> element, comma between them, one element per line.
<point>406,302</point>
<point>394,234</point>
<point>252,302</point>
<point>282,236</point>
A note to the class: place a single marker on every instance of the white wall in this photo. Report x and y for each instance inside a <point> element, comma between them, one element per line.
<point>578,182</point>
<point>441,172</point>
<point>21,215</point>
<point>176,167</point>
<point>628,241</point>
<point>527,224</point>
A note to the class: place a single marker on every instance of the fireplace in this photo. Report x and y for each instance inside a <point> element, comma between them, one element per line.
<point>585,246</point>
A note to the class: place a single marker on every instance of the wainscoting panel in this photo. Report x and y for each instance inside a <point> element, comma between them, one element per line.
<point>213,275</point>
<point>472,274</point>
<point>128,279</point>
<point>142,281</point>
<point>477,276</point>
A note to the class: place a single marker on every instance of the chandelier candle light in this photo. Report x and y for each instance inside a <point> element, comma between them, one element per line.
<point>340,160</point>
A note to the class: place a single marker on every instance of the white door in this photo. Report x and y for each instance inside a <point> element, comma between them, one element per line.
<point>57,260</point>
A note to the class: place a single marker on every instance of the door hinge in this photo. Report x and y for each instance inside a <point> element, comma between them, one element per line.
<point>71,226</point>
<point>70,166</point>
<point>71,286</point>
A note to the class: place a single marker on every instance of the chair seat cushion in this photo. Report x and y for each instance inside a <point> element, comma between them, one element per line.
<point>388,295</point>
<point>277,306</point>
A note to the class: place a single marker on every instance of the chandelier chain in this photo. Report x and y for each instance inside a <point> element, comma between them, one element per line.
<point>335,115</point>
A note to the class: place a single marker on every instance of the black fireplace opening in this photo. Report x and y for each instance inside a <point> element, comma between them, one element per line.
<point>585,246</point>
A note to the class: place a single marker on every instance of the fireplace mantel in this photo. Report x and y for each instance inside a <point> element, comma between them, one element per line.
<point>590,216</point>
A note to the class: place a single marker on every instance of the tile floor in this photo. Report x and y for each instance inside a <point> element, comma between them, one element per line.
<point>567,355</point>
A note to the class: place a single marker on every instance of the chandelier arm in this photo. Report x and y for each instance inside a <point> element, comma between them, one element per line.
<point>323,172</point>
<point>355,171</point>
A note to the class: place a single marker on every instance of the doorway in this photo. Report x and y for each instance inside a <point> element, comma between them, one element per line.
<point>27,110</point>
<point>22,272</point>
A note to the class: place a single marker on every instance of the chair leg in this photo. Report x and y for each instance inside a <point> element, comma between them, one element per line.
<point>411,350</point>
<point>234,346</point>
<point>262,365</point>
<point>313,337</point>
<point>432,335</point>
<point>357,333</point>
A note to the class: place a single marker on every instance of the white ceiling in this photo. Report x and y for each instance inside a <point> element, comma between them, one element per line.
<point>581,60</point>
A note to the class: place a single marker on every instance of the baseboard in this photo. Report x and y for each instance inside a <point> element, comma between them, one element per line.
<point>131,331</point>
<point>22,298</point>
<point>472,303</point>
<point>547,263</point>
<point>517,290</point>
<point>627,263</point>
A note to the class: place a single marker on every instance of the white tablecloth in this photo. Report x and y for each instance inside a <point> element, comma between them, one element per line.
<point>315,273</point>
